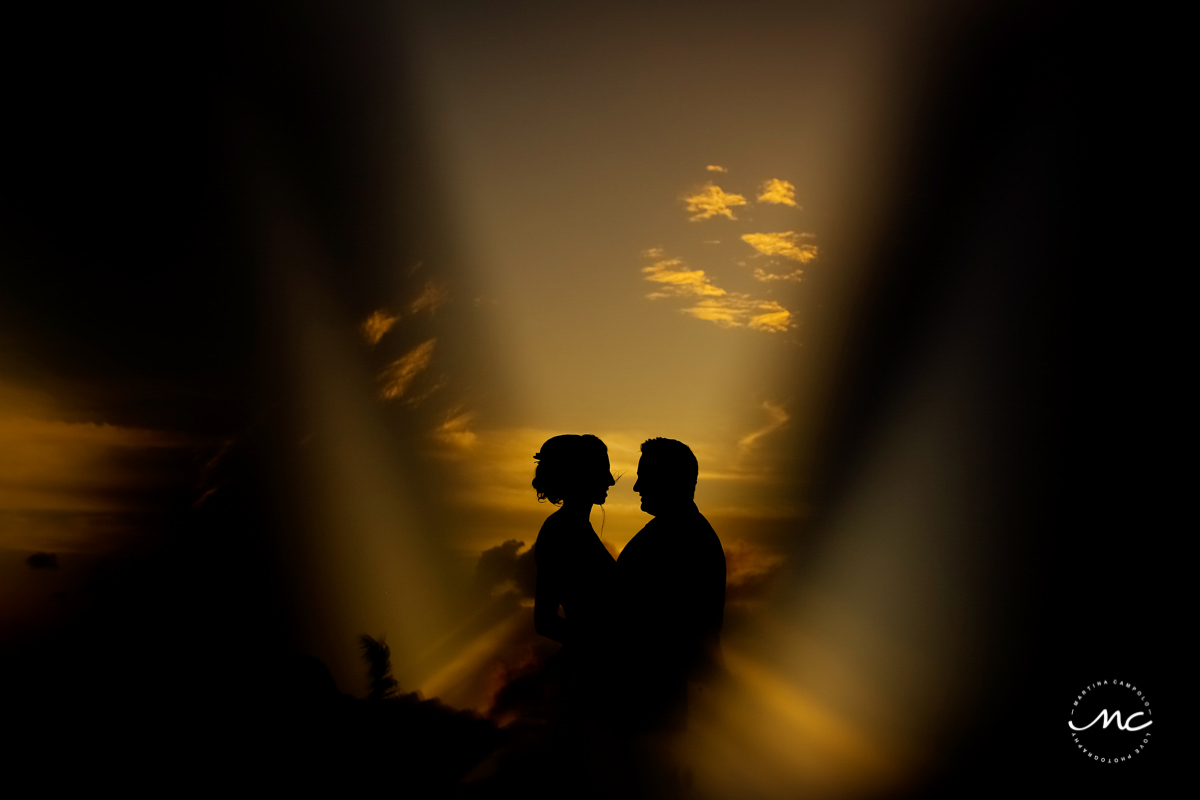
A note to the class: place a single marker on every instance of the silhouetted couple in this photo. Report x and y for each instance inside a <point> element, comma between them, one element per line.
<point>634,629</point>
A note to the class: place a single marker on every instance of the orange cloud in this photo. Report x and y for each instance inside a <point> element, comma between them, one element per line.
<point>778,192</point>
<point>400,374</point>
<point>67,485</point>
<point>676,282</point>
<point>727,309</point>
<point>788,244</point>
<point>737,310</point>
<point>50,465</point>
<point>376,325</point>
<point>710,202</point>
<point>775,319</point>
<point>456,430</point>
<point>433,297</point>
<point>715,168</point>
<point>762,275</point>
<point>779,418</point>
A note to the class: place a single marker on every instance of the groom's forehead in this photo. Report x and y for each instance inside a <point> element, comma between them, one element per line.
<point>651,465</point>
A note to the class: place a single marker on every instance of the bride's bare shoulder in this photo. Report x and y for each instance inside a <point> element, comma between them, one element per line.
<point>553,530</point>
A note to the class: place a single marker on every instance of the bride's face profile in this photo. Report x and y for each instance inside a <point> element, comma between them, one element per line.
<point>591,486</point>
<point>574,470</point>
<point>604,479</point>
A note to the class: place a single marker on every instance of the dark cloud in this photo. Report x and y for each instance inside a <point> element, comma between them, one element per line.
<point>516,679</point>
<point>507,570</point>
<point>750,571</point>
<point>522,696</point>
<point>43,561</point>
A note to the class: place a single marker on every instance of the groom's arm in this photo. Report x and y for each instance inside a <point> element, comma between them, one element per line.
<point>707,604</point>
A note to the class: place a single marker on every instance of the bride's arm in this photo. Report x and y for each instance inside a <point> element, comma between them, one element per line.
<point>546,620</point>
<point>546,600</point>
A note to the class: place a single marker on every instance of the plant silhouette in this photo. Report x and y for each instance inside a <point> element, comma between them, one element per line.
<point>379,668</point>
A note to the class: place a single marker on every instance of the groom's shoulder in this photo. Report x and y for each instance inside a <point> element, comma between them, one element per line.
<point>704,536</point>
<point>641,542</point>
<point>698,523</point>
<point>701,521</point>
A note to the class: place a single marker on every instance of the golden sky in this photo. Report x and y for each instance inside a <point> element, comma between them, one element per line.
<point>737,447</point>
<point>70,485</point>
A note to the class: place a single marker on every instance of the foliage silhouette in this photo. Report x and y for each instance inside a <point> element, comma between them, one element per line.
<point>379,668</point>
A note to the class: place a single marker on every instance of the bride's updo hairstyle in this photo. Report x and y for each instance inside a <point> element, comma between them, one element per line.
<point>566,464</point>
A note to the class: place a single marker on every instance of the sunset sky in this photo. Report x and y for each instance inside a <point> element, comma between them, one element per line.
<point>640,209</point>
<point>446,232</point>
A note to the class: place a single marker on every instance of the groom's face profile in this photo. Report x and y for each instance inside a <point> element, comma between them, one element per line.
<point>658,488</point>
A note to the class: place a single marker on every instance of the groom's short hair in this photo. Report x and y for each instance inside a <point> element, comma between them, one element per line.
<point>674,458</point>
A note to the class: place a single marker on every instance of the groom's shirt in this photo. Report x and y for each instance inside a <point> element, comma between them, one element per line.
<point>672,578</point>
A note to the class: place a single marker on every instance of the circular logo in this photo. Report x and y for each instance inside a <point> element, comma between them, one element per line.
<point>1111,722</point>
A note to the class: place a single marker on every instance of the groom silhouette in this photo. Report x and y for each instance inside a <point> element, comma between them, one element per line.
<point>672,580</point>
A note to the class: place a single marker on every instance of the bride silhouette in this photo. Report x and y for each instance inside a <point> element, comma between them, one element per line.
<point>577,574</point>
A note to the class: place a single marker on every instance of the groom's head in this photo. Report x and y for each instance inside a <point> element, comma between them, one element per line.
<point>666,476</point>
